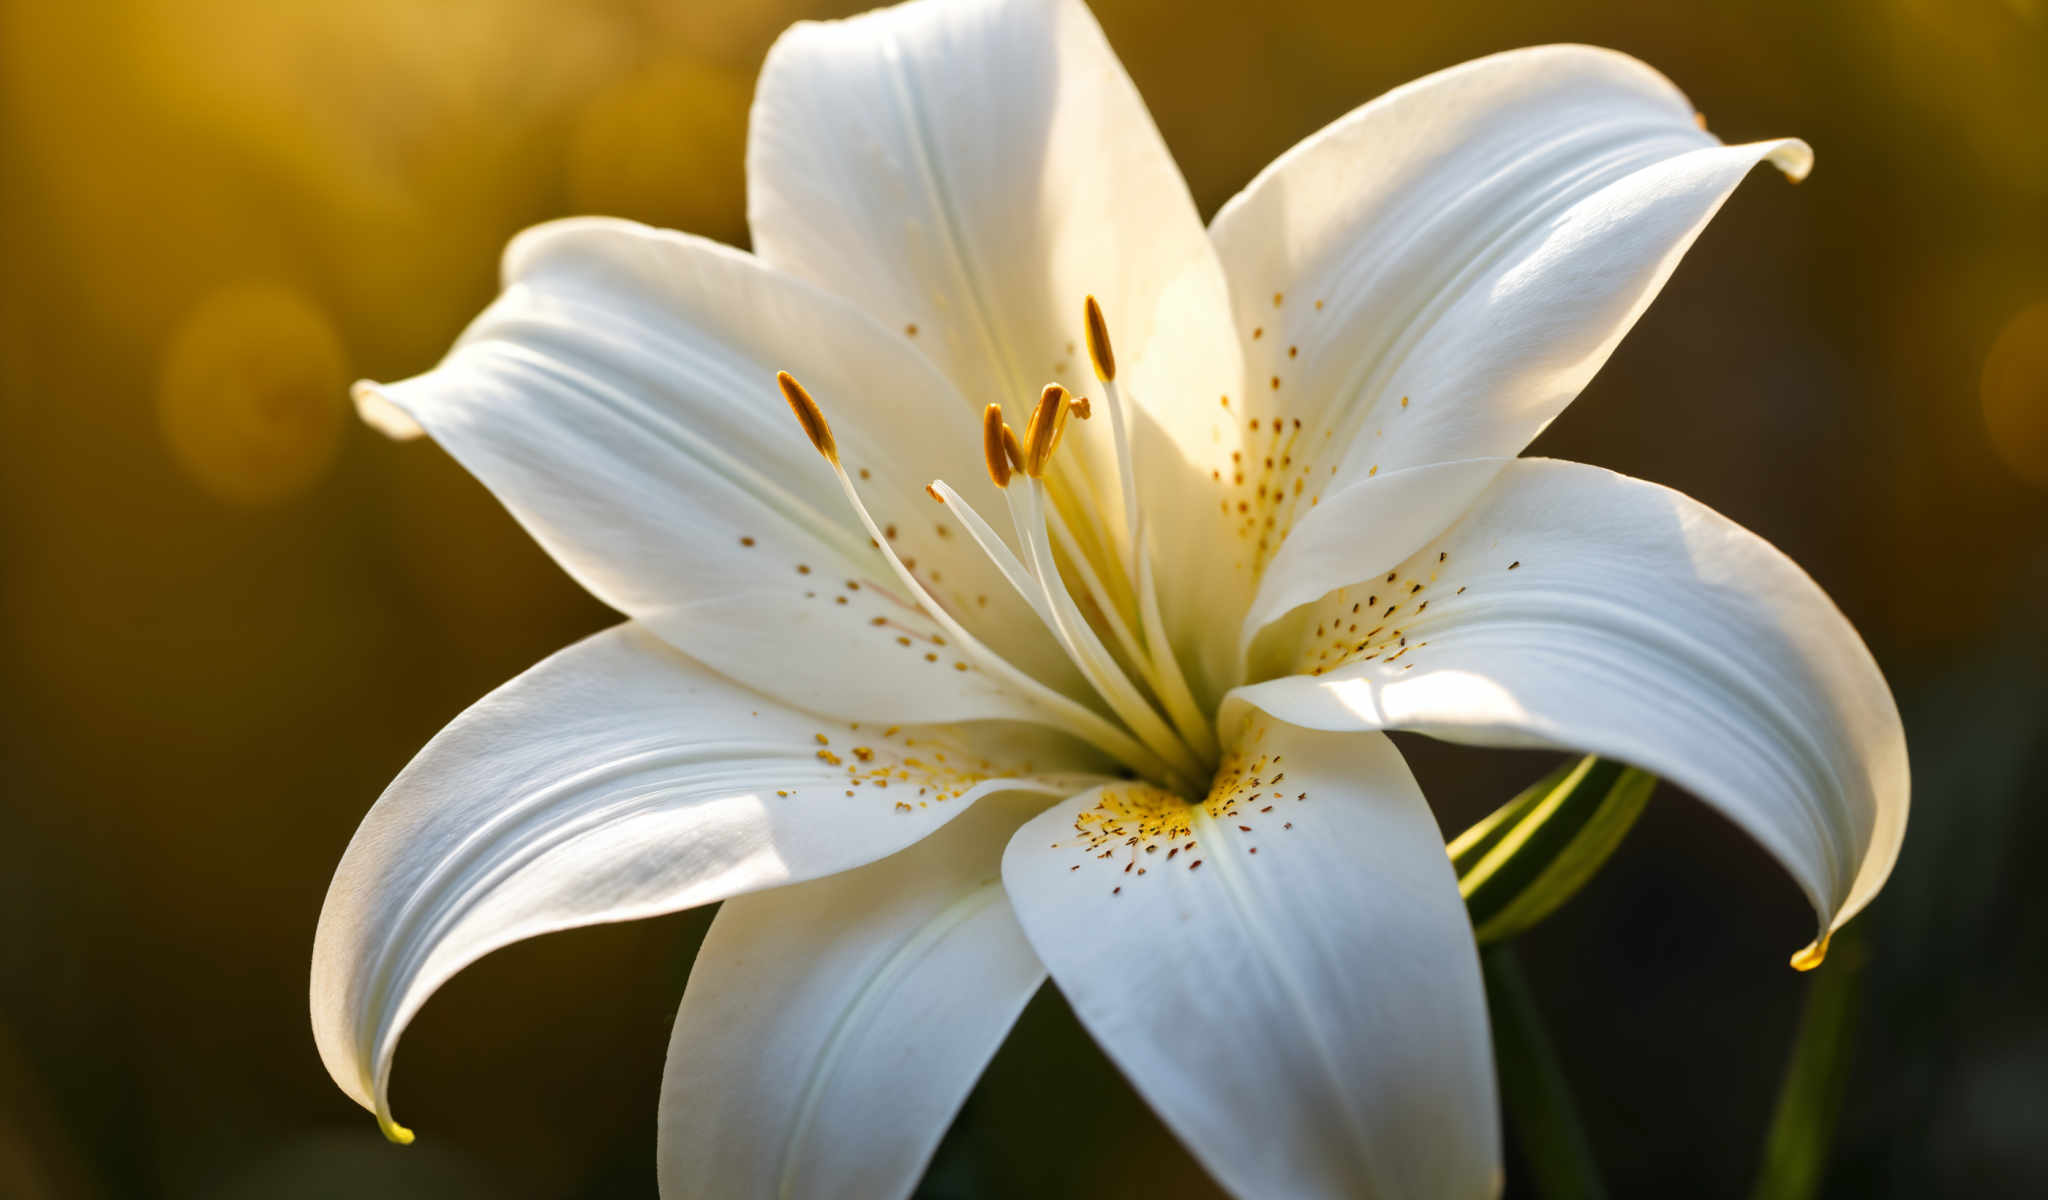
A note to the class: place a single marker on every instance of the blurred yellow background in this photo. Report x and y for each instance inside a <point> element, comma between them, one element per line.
<point>229,612</point>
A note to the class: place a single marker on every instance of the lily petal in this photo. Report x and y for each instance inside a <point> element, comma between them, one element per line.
<point>1285,971</point>
<point>1360,530</point>
<point>1436,275</point>
<point>1573,607</point>
<point>971,171</point>
<point>617,779</point>
<point>620,399</point>
<point>831,1030</point>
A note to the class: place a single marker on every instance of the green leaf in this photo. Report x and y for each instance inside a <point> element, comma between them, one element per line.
<point>1530,855</point>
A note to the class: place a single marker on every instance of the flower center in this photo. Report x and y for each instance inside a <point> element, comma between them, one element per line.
<point>1092,586</point>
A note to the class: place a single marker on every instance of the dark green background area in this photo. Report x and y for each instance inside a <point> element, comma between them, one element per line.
<point>228,613</point>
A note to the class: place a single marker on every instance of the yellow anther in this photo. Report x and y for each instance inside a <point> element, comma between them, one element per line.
<point>1099,352</point>
<point>1059,428</point>
<point>1011,450</point>
<point>1082,409</point>
<point>1811,956</point>
<point>932,490</point>
<point>992,431</point>
<point>1044,428</point>
<point>808,415</point>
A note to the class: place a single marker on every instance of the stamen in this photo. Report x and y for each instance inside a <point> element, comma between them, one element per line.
<point>1169,681</point>
<point>1043,428</point>
<point>999,552</point>
<point>1087,651</point>
<point>1011,450</point>
<point>1064,711</point>
<point>808,415</point>
<point>1092,583</point>
<point>1059,426</point>
<point>1021,578</point>
<point>1082,409</point>
<point>1104,359</point>
<point>992,430</point>
<point>1099,353</point>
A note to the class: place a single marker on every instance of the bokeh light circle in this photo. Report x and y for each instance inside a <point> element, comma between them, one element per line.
<point>253,393</point>
<point>2014,391</point>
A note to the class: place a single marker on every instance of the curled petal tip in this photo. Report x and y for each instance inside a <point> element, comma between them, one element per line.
<point>1793,158</point>
<point>380,413</point>
<point>1814,953</point>
<point>396,1134</point>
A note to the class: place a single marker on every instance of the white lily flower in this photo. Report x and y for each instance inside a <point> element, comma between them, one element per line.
<point>1294,519</point>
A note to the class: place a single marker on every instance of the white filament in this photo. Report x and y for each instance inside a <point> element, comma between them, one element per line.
<point>1165,675</point>
<point>1063,710</point>
<point>1084,647</point>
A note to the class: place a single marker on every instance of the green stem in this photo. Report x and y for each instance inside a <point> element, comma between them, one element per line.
<point>1534,1095</point>
<point>1810,1097</point>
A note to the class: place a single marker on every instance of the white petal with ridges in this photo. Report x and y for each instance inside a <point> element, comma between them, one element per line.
<point>1460,256</point>
<point>972,170</point>
<point>832,1029</point>
<point>620,399</point>
<point>1363,528</point>
<point>1286,971</point>
<point>1576,608</point>
<point>617,779</point>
